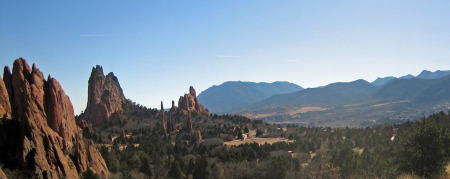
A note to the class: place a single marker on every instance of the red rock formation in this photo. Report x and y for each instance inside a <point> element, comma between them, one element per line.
<point>105,96</point>
<point>167,125</point>
<point>5,106</point>
<point>45,133</point>
<point>173,109</point>
<point>189,123</point>
<point>189,102</point>
<point>163,121</point>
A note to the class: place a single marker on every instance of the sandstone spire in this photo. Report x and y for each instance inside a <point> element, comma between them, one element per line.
<point>173,109</point>
<point>163,121</point>
<point>105,96</point>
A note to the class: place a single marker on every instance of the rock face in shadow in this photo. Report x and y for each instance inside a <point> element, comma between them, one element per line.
<point>189,102</point>
<point>105,97</point>
<point>5,106</point>
<point>42,138</point>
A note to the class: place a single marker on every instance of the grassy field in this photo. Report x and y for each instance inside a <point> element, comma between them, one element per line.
<point>252,138</point>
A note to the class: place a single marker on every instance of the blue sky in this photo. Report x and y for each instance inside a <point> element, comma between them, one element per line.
<point>158,49</point>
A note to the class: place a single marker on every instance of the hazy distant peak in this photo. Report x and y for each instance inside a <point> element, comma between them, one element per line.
<point>236,94</point>
<point>409,76</point>
<point>352,83</point>
<point>425,74</point>
<point>381,81</point>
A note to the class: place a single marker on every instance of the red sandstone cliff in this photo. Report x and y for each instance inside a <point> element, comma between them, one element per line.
<point>42,138</point>
<point>105,96</point>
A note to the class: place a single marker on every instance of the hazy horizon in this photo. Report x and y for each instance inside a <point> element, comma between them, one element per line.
<point>158,49</point>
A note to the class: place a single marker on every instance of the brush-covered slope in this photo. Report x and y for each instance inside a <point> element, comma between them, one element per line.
<point>333,94</point>
<point>416,90</point>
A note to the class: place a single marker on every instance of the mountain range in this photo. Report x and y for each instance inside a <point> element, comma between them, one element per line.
<point>425,74</point>
<point>234,95</point>
<point>386,100</point>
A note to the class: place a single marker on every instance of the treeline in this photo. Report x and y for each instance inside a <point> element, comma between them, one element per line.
<point>419,148</point>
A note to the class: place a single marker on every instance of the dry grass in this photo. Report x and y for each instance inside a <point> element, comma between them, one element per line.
<point>384,104</point>
<point>258,115</point>
<point>448,169</point>
<point>408,176</point>
<point>290,110</point>
<point>306,109</point>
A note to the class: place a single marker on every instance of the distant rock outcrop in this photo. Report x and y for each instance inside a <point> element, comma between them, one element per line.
<point>189,102</point>
<point>42,138</point>
<point>167,125</point>
<point>163,121</point>
<point>186,105</point>
<point>173,109</point>
<point>105,96</point>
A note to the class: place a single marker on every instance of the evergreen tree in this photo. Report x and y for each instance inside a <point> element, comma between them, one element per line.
<point>240,135</point>
<point>202,168</point>
<point>425,148</point>
<point>246,129</point>
<point>146,167</point>
<point>175,170</point>
<point>259,132</point>
<point>191,166</point>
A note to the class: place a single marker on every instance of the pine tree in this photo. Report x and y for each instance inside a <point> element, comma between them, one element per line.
<point>240,135</point>
<point>191,167</point>
<point>425,148</point>
<point>246,129</point>
<point>202,168</point>
<point>175,170</point>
